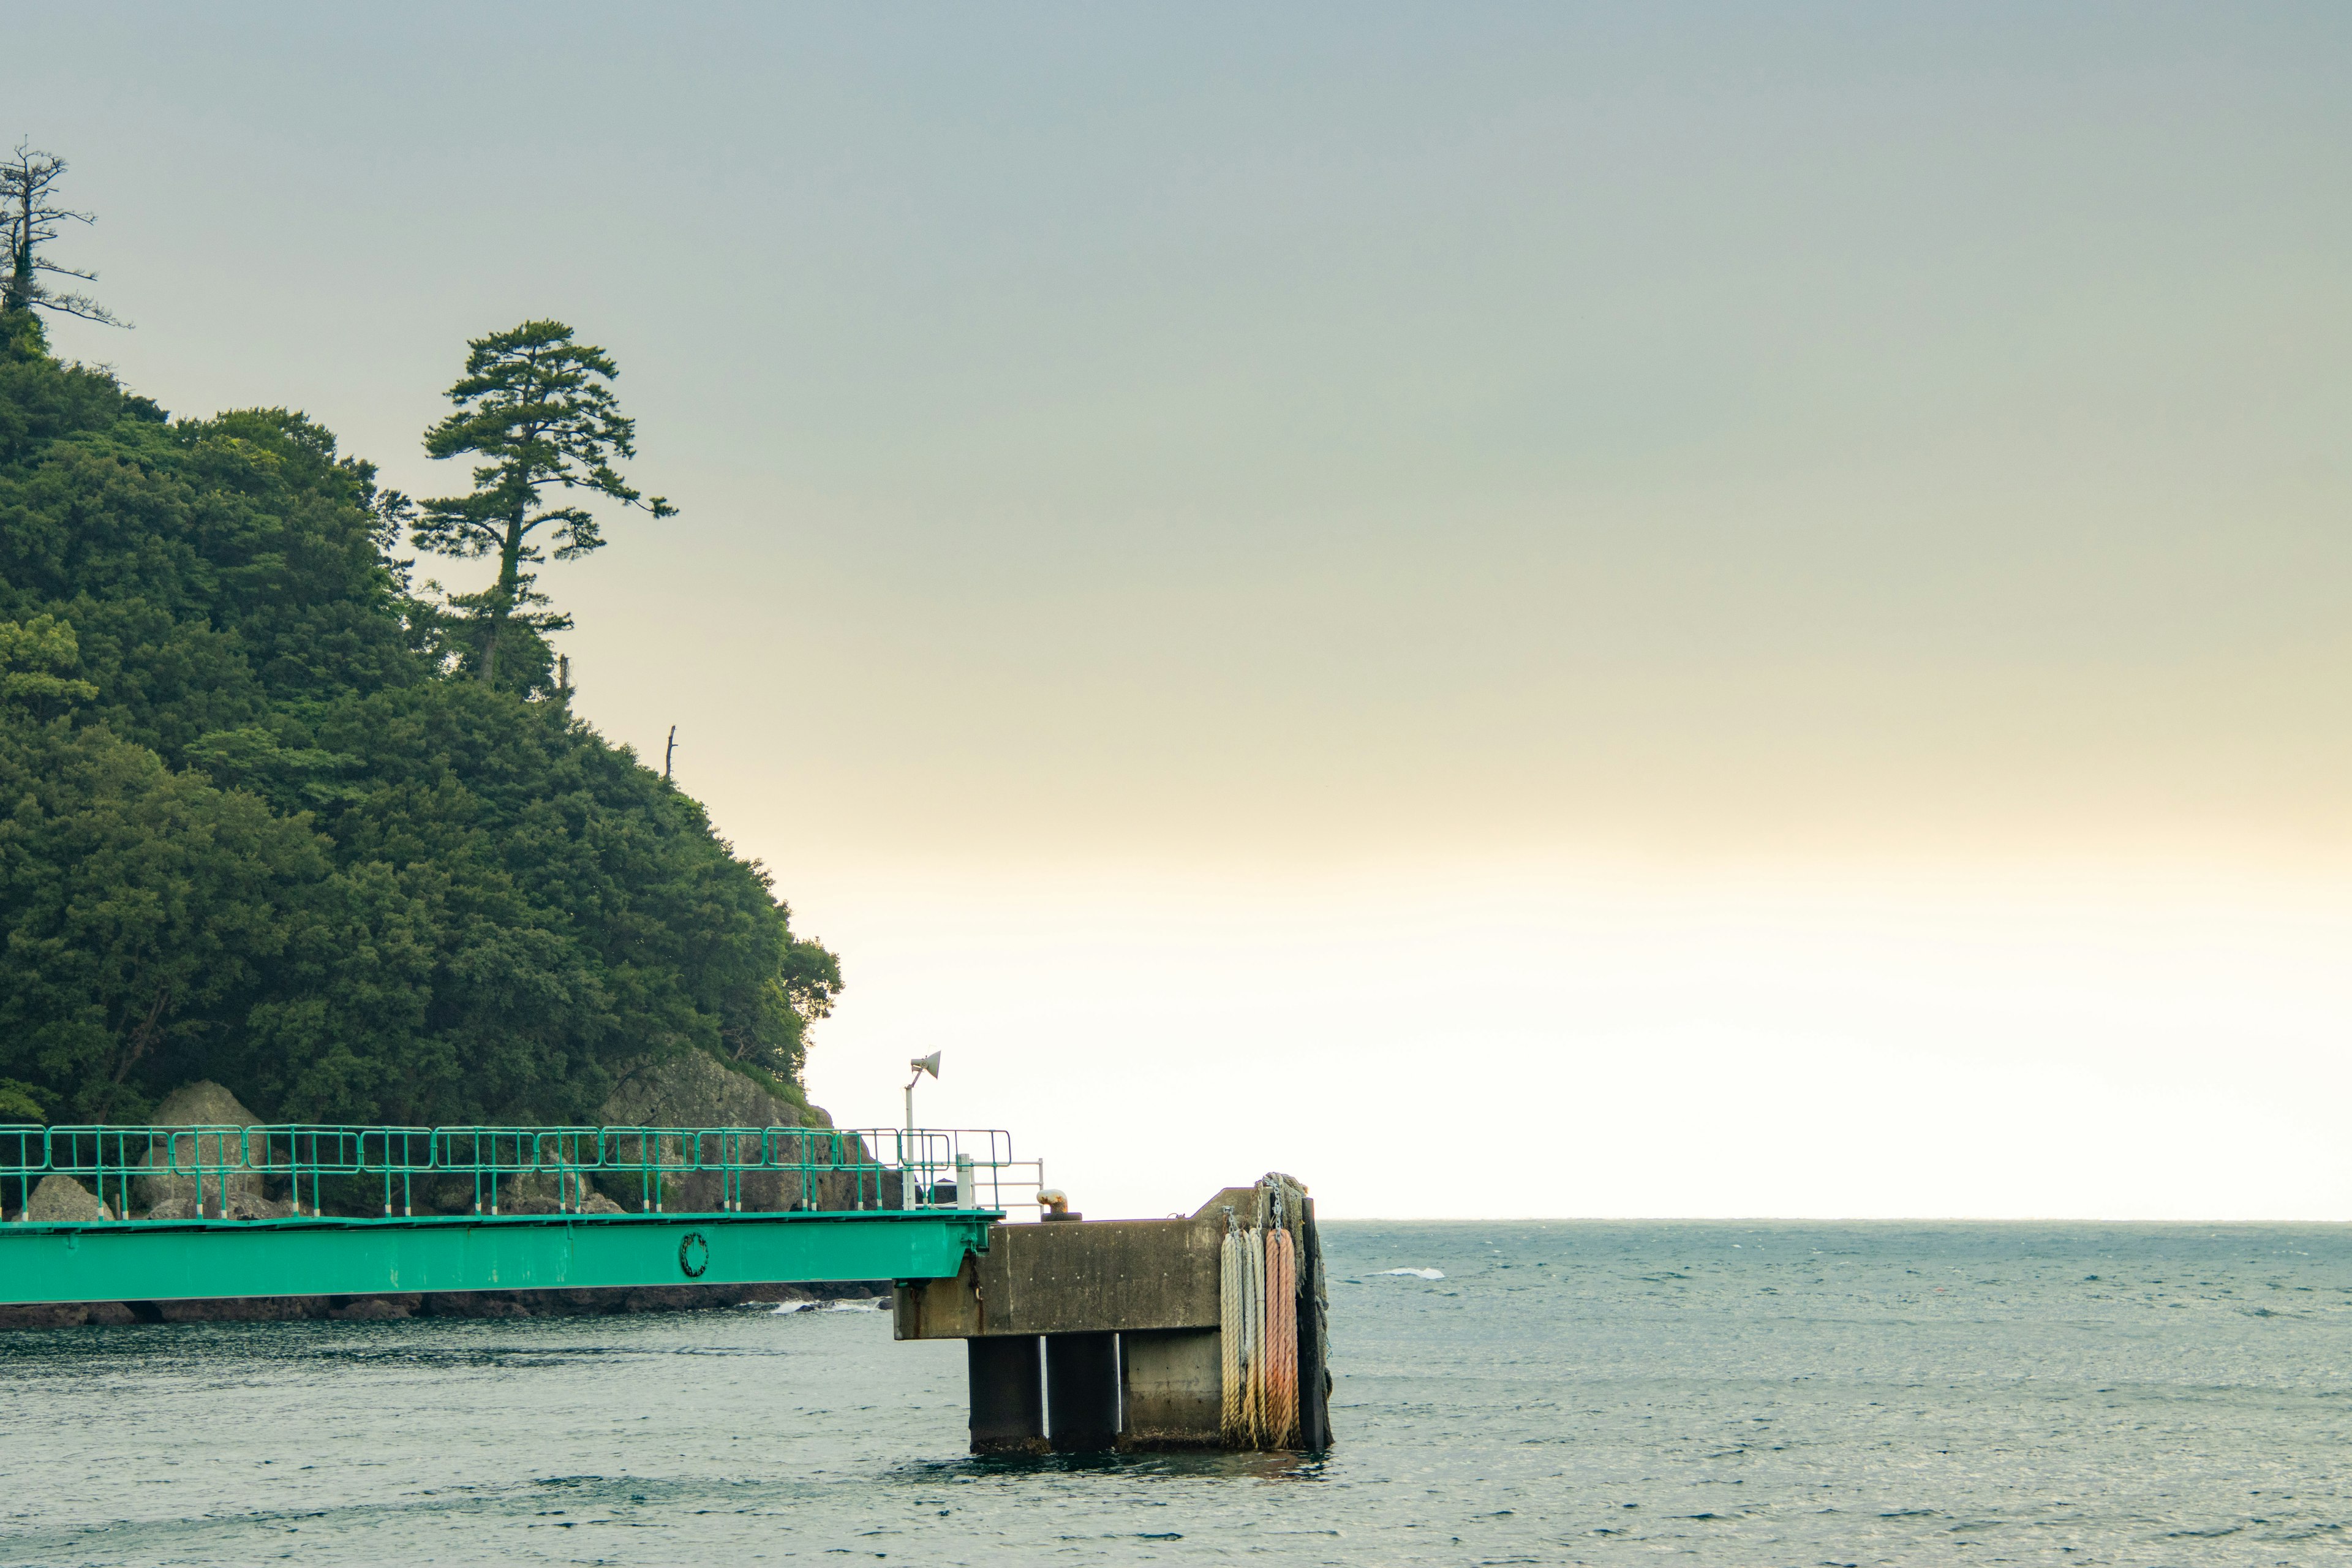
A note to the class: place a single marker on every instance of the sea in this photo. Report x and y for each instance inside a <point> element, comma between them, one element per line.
<point>1506,1393</point>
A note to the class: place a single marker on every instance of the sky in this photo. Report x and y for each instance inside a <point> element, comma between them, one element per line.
<point>1514,609</point>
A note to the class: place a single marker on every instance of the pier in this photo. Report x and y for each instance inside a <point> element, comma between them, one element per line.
<point>1200,1332</point>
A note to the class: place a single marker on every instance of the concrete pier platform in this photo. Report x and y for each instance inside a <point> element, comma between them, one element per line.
<point>1127,1321</point>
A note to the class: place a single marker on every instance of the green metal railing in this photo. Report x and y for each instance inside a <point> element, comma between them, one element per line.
<point>787,1169</point>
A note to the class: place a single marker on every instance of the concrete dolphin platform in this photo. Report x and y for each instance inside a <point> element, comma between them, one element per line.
<point>1084,1335</point>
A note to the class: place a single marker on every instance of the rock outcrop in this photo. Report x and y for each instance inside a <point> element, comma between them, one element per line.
<point>61,1199</point>
<point>683,1089</point>
<point>204,1104</point>
<point>690,1089</point>
<point>240,1203</point>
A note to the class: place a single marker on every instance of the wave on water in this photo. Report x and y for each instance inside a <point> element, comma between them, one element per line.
<point>784,1307</point>
<point>1418,1273</point>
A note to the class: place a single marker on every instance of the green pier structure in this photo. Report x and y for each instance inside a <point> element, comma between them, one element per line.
<point>220,1212</point>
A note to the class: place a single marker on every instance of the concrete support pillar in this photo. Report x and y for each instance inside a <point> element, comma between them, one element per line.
<point>1008,1400</point>
<point>1082,1392</point>
<point>1174,1384</point>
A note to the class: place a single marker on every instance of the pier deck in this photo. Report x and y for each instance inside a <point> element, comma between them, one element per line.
<point>223,1211</point>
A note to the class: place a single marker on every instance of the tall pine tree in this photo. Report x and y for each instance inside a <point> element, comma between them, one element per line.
<point>537,408</point>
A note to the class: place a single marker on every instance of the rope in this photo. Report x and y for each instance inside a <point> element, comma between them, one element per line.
<point>1252,1338</point>
<point>1281,1423</point>
<point>1257,1320</point>
<point>1229,1272</point>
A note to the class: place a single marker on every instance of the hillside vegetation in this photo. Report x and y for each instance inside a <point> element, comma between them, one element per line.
<point>263,819</point>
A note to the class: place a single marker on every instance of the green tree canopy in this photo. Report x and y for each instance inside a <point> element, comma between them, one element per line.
<point>30,657</point>
<point>257,826</point>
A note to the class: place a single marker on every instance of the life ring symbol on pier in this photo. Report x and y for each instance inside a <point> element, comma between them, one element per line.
<point>693,1255</point>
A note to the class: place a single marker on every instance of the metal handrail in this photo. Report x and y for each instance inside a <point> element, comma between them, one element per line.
<point>838,1168</point>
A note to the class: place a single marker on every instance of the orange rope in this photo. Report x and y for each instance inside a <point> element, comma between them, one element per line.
<point>1281,1407</point>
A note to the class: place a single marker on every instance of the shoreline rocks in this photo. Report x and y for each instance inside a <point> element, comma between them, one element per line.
<point>61,1199</point>
<point>393,1307</point>
<point>686,1089</point>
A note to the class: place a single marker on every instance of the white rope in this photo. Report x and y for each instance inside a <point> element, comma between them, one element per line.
<point>1254,1337</point>
<point>1231,1271</point>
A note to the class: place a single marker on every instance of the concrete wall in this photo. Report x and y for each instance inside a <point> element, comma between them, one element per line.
<point>1174,1382</point>
<point>1076,1277</point>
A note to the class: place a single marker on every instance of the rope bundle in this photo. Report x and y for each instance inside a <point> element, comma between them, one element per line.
<point>1258,1314</point>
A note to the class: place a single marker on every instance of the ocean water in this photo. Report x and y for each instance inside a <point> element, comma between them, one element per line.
<point>1766,1393</point>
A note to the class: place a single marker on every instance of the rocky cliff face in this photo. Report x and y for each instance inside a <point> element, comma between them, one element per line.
<point>692,1090</point>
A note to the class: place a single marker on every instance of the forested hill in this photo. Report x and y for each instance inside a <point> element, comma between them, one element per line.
<point>258,823</point>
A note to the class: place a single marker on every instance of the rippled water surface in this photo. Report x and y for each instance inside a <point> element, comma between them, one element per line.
<point>1568,1392</point>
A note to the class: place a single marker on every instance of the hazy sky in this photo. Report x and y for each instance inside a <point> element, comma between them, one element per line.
<point>1742,608</point>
